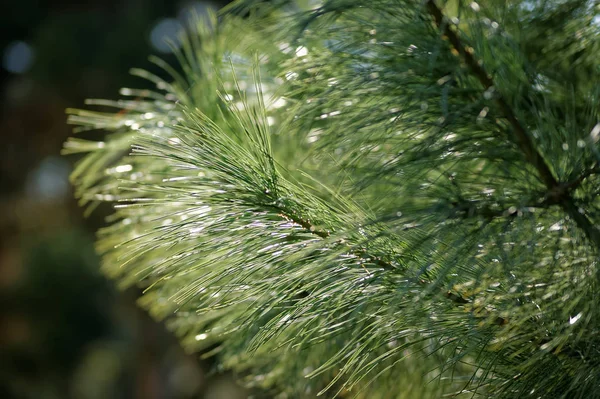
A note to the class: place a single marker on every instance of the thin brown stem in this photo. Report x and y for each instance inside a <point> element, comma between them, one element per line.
<point>574,184</point>
<point>309,227</point>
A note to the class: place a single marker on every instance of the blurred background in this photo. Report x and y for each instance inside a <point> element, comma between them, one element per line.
<point>65,332</point>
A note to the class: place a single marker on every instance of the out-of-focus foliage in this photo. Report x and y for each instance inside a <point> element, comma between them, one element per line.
<point>392,199</point>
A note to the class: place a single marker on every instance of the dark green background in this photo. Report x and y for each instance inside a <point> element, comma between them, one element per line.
<point>65,332</point>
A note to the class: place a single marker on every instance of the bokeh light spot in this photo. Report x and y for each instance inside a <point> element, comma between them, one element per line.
<point>165,35</point>
<point>195,10</point>
<point>50,180</point>
<point>18,57</point>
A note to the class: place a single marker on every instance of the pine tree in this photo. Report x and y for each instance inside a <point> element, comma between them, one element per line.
<point>393,198</point>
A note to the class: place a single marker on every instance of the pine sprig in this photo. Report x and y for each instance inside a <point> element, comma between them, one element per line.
<point>364,194</point>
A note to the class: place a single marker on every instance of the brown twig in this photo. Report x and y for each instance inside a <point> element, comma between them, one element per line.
<point>574,184</point>
<point>456,298</point>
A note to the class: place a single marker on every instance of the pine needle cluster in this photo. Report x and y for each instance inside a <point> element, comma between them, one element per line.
<point>383,199</point>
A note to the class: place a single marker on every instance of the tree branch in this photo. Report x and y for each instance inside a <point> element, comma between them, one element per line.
<point>574,184</point>
<point>457,298</point>
<point>558,192</point>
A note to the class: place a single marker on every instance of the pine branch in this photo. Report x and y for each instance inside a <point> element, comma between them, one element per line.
<point>575,183</point>
<point>426,232</point>
<point>559,192</point>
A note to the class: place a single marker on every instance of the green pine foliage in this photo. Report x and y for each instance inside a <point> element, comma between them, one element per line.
<point>383,199</point>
